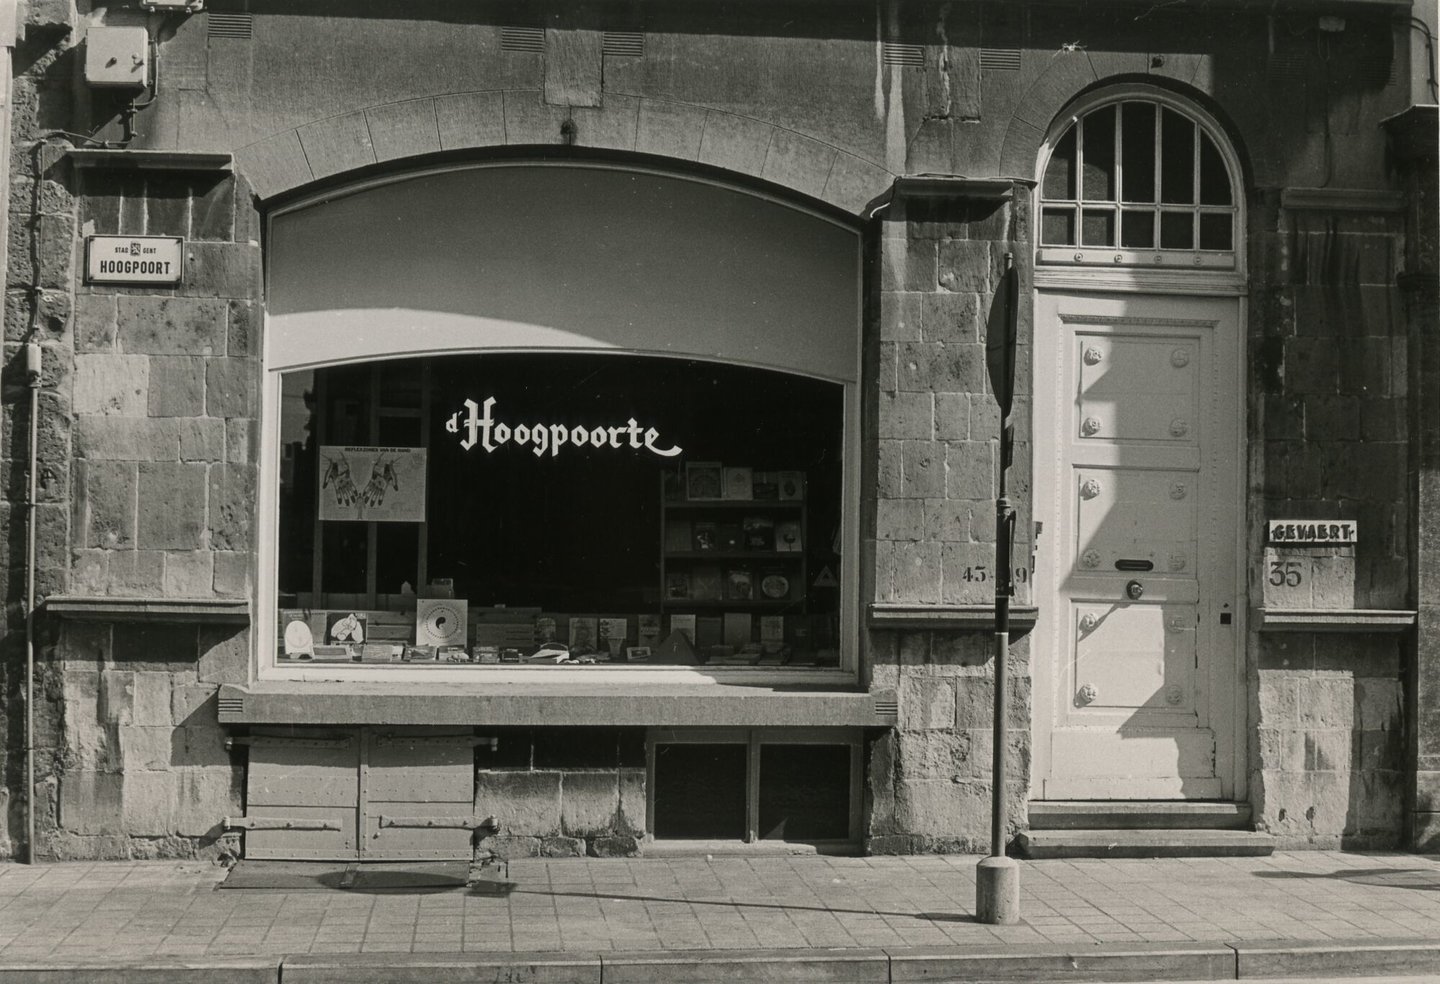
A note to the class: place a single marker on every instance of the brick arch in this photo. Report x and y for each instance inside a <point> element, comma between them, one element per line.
<point>293,158</point>
<point>1072,73</point>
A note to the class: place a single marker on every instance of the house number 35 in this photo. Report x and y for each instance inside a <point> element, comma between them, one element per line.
<point>1285,572</point>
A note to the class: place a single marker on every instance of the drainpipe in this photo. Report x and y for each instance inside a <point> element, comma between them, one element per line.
<point>9,29</point>
<point>32,381</point>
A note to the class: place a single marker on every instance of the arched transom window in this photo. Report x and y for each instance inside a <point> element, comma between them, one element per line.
<point>1136,181</point>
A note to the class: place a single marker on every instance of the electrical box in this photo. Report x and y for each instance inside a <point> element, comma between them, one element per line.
<point>117,57</point>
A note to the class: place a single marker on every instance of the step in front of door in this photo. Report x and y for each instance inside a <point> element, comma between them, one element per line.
<point>1138,815</point>
<point>1100,843</point>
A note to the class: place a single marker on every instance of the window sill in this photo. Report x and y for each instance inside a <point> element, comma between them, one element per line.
<point>1333,619</point>
<point>231,611</point>
<point>572,700</point>
<point>974,618</point>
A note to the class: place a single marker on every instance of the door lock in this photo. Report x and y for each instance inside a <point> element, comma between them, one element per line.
<point>1134,589</point>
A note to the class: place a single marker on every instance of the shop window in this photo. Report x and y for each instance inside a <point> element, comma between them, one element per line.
<point>1153,183</point>
<point>558,510</point>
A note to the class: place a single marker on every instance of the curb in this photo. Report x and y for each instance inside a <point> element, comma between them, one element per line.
<point>1251,960</point>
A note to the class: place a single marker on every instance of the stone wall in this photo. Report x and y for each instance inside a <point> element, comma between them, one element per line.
<point>930,521</point>
<point>568,792</point>
<point>1330,389</point>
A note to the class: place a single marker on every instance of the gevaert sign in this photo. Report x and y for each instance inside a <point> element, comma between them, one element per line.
<point>1310,532</point>
<point>134,259</point>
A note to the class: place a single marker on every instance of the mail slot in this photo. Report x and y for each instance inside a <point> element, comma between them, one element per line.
<point>1134,565</point>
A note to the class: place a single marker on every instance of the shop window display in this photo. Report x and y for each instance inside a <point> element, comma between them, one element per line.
<point>555,509</point>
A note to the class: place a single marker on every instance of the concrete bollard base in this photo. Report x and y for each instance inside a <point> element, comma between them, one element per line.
<point>997,891</point>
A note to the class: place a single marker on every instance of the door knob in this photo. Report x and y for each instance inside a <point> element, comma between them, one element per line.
<point>1134,589</point>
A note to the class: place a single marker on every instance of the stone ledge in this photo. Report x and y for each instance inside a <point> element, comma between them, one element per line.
<point>561,703</point>
<point>974,618</point>
<point>1342,200</point>
<point>104,609</point>
<point>115,159</point>
<point>1333,619</point>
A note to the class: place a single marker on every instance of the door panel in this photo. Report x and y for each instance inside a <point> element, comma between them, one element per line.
<point>1137,454</point>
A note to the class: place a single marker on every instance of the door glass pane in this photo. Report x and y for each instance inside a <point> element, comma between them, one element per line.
<point>1177,230</point>
<point>1177,159</point>
<point>1137,143</point>
<point>804,792</point>
<point>1057,227</point>
<point>1060,172</point>
<point>1214,182</point>
<point>700,791</point>
<point>1137,230</point>
<point>1099,155</point>
<point>1216,230</point>
<point>1099,227</point>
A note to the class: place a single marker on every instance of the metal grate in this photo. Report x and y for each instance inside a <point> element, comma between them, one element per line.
<point>999,59</point>
<point>522,39</point>
<point>886,708</point>
<point>623,44</point>
<point>235,26</point>
<point>232,705</point>
<point>1287,65</point>
<point>907,55</point>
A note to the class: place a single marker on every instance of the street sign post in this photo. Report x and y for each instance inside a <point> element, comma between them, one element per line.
<point>997,881</point>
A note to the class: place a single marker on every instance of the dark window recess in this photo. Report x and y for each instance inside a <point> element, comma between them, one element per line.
<point>1137,151</point>
<point>1214,180</point>
<point>1099,227</point>
<point>1060,172</point>
<point>804,792</point>
<point>1177,230</point>
<point>1216,231</point>
<point>700,791</point>
<point>512,750</point>
<point>1137,230</point>
<point>1177,161</point>
<point>577,748</point>
<point>1058,227</point>
<point>1098,153</point>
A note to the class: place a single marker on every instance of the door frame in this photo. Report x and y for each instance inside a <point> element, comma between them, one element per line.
<point>1090,276</point>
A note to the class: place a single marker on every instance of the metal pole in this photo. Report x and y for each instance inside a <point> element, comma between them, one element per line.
<point>997,878</point>
<point>32,379</point>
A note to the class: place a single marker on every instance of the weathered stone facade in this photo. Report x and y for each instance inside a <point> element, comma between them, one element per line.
<point>150,401</point>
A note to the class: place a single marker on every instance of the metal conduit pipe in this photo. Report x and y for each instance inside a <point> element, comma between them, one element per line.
<point>32,380</point>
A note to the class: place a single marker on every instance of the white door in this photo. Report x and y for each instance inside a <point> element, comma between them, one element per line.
<point>1138,454</point>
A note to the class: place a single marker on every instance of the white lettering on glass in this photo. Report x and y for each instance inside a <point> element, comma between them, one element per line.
<point>480,427</point>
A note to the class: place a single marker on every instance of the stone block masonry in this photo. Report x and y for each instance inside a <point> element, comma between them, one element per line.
<point>930,526</point>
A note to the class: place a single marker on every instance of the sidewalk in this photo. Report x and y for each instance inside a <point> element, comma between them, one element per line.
<point>736,919</point>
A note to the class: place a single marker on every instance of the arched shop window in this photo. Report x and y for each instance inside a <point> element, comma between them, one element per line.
<point>532,417</point>
<point>1139,181</point>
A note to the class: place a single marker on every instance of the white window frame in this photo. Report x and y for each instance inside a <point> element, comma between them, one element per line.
<point>1163,270</point>
<point>447,341</point>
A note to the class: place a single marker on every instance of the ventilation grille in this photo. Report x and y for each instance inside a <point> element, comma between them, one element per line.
<point>234,26</point>
<point>522,39</point>
<point>1286,65</point>
<point>907,55</point>
<point>999,59</point>
<point>887,707</point>
<point>232,706</point>
<point>624,44</point>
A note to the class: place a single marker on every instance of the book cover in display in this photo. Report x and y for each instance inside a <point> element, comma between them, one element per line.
<point>685,625</point>
<point>739,585</point>
<point>788,538</point>
<point>739,483</point>
<point>677,585</point>
<point>345,628</point>
<point>705,584</point>
<point>440,622</point>
<point>759,533</point>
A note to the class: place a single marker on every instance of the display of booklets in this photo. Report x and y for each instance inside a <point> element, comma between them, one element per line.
<point>702,479</point>
<point>343,628</point>
<point>709,631</point>
<point>487,654</point>
<point>612,635</point>
<point>737,629</point>
<point>545,629</point>
<point>703,536</point>
<point>677,584</point>
<point>788,538</point>
<point>792,485</point>
<point>331,653</point>
<point>418,654</point>
<point>648,630</point>
<point>738,482</point>
<point>772,629</point>
<point>759,532</point>
<point>739,584</point>
<point>452,654</point>
<point>583,633</point>
<point>380,652</point>
<point>728,536</point>
<point>684,625</point>
<point>705,584</point>
<point>765,487</point>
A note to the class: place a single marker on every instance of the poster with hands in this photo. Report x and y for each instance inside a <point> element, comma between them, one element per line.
<point>363,484</point>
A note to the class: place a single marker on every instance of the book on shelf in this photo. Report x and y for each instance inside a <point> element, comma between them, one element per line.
<point>758,532</point>
<point>739,584</point>
<point>709,631</point>
<point>788,538</point>
<point>738,482</point>
<point>677,585</point>
<point>703,536</point>
<point>679,536</point>
<point>685,625</point>
<point>736,629</point>
<point>706,584</point>
<point>648,630</point>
